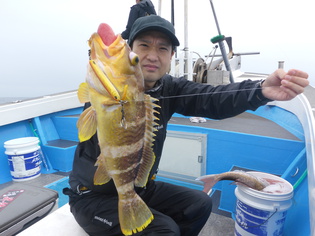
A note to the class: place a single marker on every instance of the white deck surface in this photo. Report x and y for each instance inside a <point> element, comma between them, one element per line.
<point>62,223</point>
<point>59,223</point>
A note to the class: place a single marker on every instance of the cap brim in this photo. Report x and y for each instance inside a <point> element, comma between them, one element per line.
<point>169,34</point>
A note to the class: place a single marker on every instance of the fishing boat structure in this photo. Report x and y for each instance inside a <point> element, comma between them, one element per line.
<point>278,138</point>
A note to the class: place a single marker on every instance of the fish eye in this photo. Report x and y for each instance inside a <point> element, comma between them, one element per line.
<point>134,59</point>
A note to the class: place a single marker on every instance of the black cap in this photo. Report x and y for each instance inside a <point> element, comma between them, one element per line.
<point>153,22</point>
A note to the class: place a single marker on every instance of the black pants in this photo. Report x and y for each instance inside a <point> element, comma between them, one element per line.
<point>177,211</point>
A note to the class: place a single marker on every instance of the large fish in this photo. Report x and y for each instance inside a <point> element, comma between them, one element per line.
<point>123,117</point>
<point>239,177</point>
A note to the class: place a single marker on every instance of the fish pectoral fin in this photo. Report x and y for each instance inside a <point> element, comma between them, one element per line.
<point>87,124</point>
<point>101,175</point>
<point>83,93</point>
<point>134,215</point>
<point>148,156</point>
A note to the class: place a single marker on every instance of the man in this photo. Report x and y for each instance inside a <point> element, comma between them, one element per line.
<point>177,210</point>
<point>141,8</point>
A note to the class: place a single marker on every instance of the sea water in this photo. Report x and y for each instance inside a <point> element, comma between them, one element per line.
<point>4,100</point>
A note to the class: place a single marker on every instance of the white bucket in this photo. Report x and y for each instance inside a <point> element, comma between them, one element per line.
<point>24,156</point>
<point>260,212</point>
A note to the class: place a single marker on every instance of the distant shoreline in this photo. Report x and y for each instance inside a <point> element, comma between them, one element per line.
<point>4,100</point>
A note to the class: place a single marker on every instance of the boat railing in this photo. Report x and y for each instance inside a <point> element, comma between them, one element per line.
<point>300,106</point>
<point>26,109</point>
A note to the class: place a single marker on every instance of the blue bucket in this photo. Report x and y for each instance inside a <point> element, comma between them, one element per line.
<point>24,157</point>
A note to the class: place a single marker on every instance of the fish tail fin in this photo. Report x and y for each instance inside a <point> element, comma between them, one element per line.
<point>134,215</point>
<point>209,182</point>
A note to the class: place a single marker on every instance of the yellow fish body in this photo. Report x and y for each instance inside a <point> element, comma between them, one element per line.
<point>123,117</point>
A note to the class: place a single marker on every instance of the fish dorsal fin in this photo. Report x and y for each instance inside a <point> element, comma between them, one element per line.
<point>87,124</point>
<point>101,175</point>
<point>148,156</point>
<point>83,93</point>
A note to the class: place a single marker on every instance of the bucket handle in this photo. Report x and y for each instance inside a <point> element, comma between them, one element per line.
<point>255,226</point>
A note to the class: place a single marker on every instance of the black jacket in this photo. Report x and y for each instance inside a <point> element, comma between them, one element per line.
<point>144,8</point>
<point>176,95</point>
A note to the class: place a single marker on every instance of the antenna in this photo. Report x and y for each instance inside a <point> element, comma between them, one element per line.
<point>219,39</point>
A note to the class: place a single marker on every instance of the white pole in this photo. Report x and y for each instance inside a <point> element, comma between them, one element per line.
<point>160,7</point>
<point>186,49</point>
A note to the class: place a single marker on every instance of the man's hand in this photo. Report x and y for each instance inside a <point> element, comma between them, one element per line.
<point>284,86</point>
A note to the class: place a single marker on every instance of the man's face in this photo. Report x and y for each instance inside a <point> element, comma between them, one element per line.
<point>155,53</point>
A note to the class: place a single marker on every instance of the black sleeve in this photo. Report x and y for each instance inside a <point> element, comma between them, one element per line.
<point>223,101</point>
<point>133,16</point>
<point>149,10</point>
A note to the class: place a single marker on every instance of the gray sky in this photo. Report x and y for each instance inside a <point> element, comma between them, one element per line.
<point>43,43</point>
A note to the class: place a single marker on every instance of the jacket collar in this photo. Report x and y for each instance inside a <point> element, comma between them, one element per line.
<point>158,85</point>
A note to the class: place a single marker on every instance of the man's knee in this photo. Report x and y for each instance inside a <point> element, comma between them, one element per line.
<point>205,205</point>
<point>162,225</point>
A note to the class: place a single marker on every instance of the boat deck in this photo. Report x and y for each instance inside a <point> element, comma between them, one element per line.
<point>220,222</point>
<point>244,123</point>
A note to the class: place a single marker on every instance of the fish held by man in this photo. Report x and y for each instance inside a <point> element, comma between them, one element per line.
<point>123,118</point>
<point>239,177</point>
